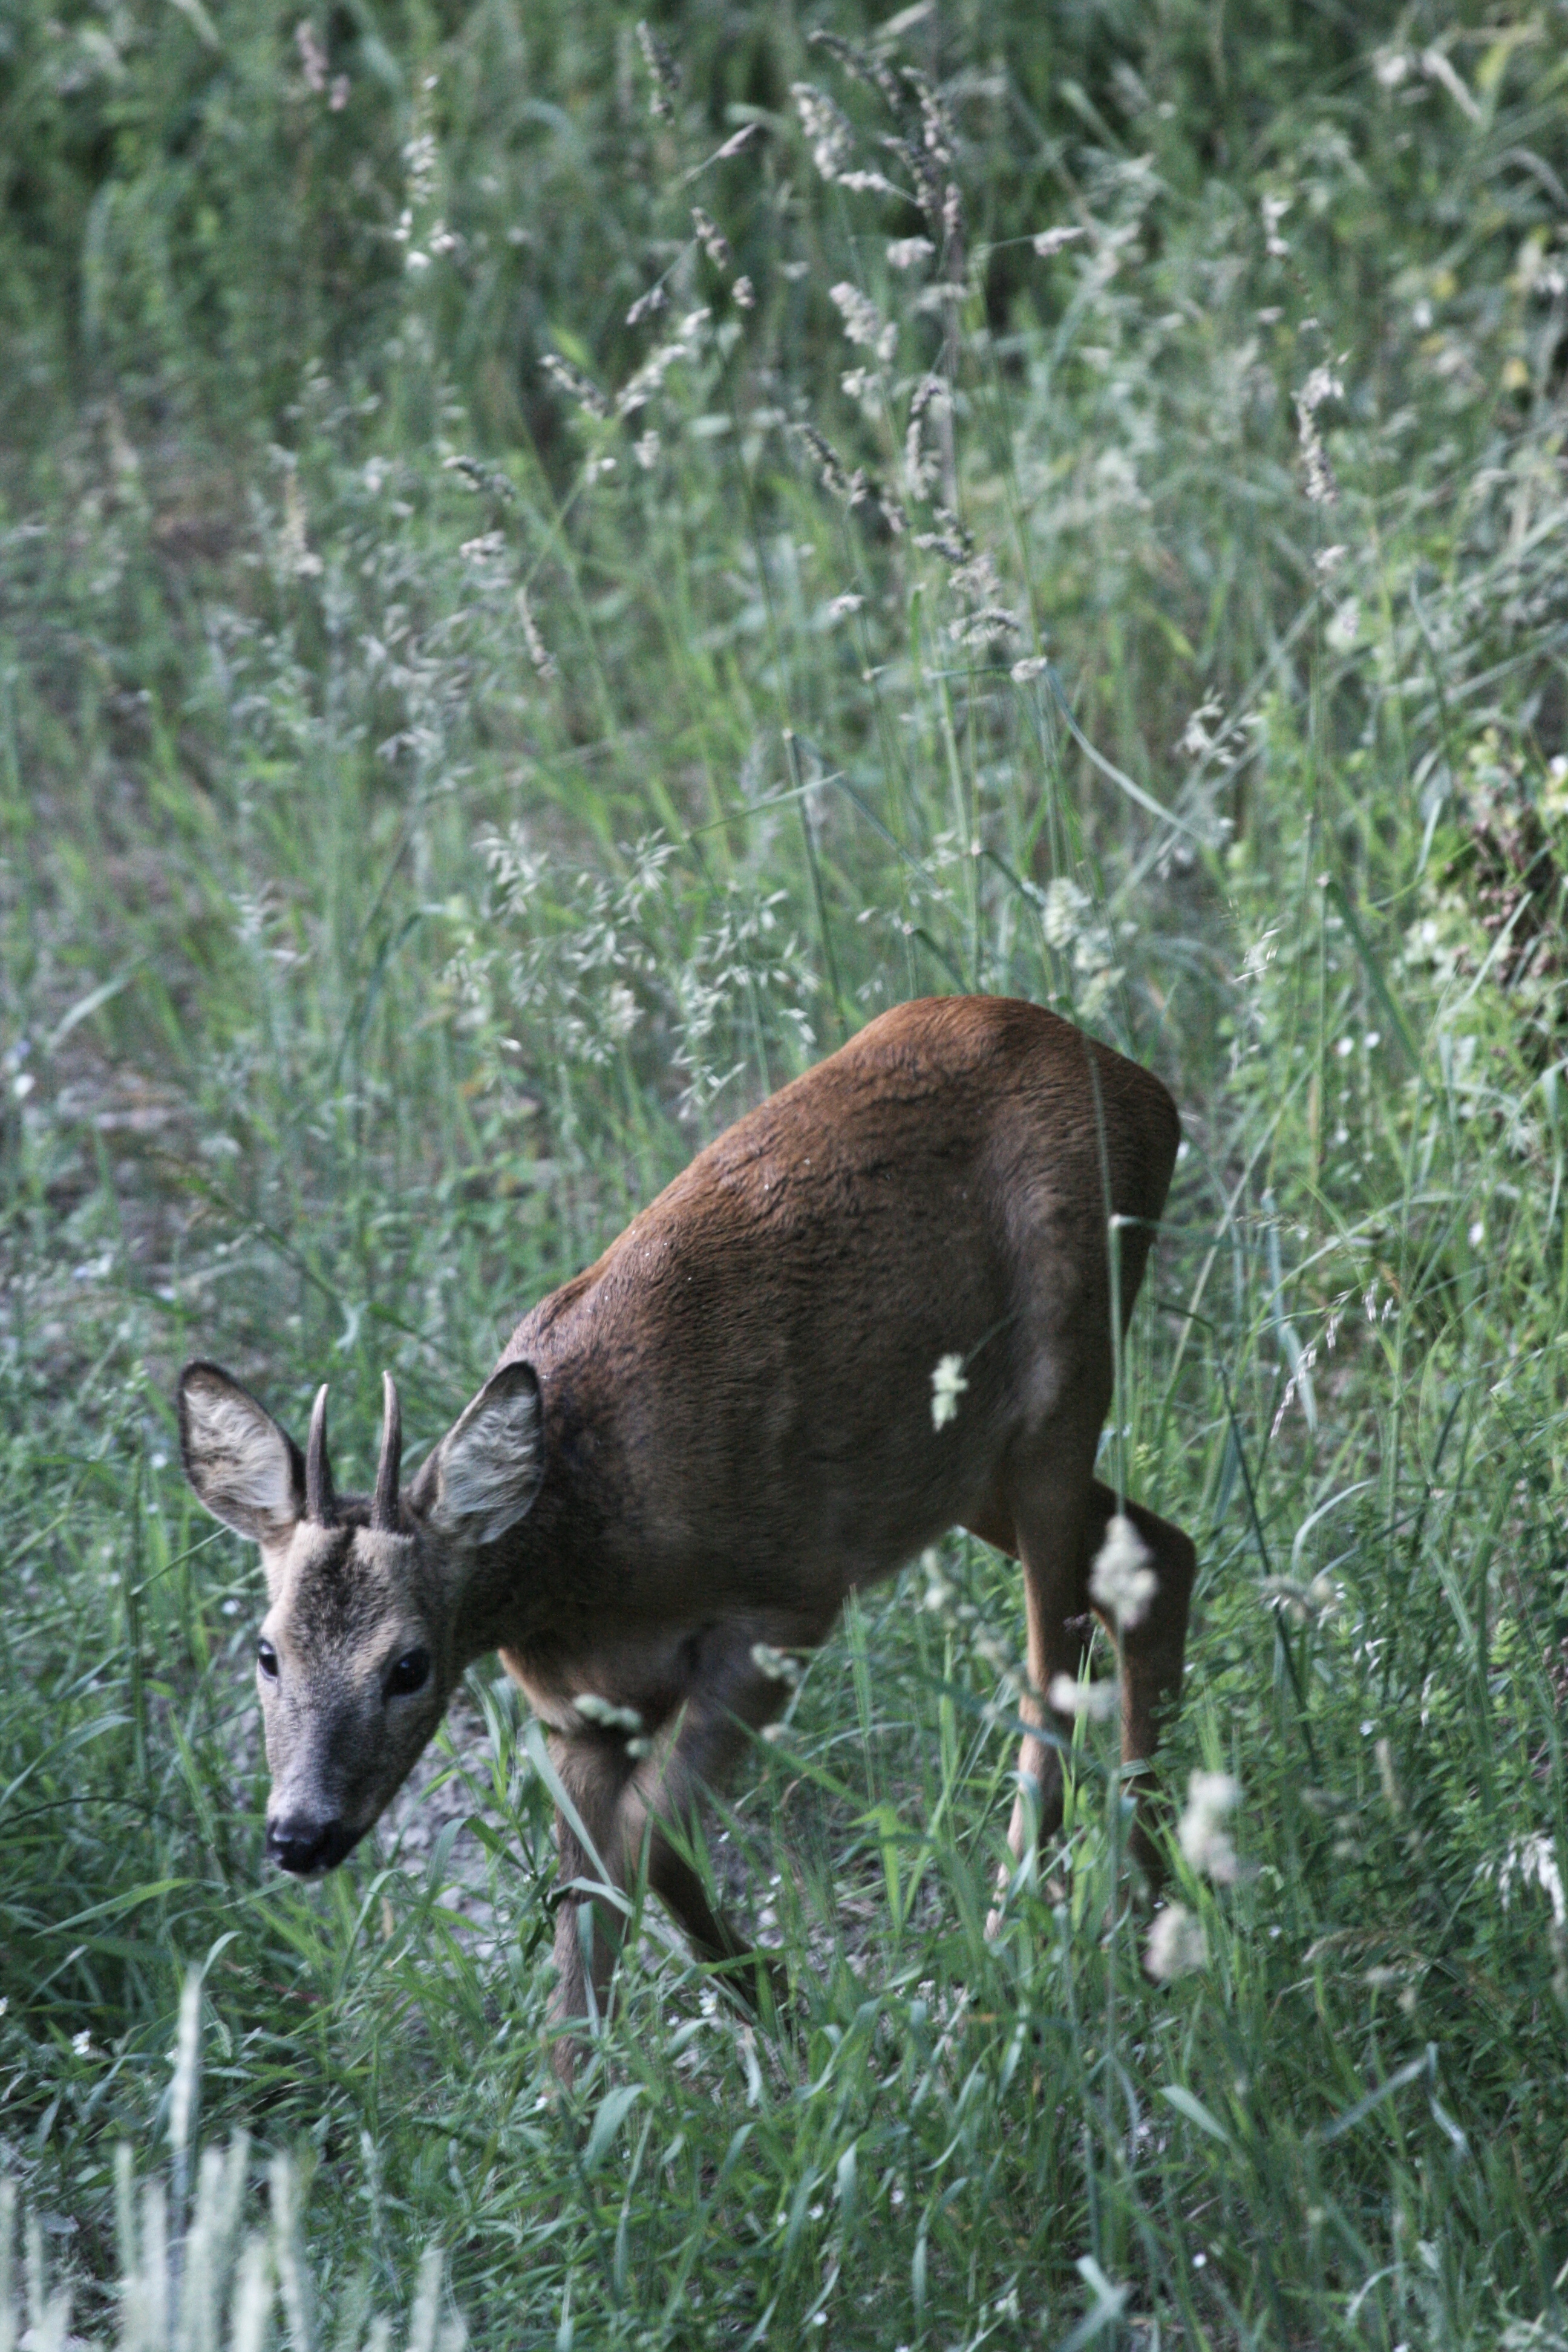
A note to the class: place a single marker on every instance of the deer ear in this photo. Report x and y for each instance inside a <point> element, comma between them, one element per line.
<point>247,1471</point>
<point>486,1471</point>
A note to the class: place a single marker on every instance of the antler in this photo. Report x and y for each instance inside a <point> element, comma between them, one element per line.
<point>384,1502</point>
<point>321,1502</point>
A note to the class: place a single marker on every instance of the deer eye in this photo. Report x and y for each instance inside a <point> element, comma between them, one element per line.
<point>409,1675</point>
<point>267,1659</point>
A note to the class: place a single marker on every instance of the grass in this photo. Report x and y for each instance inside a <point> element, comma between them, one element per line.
<point>420,833</point>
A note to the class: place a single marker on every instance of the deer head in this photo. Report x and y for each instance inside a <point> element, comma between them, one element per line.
<point>366,1630</point>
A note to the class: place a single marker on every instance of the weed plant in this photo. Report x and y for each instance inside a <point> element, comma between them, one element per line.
<point>548,570</point>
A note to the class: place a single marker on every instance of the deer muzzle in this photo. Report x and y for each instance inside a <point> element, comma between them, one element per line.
<point>307,1847</point>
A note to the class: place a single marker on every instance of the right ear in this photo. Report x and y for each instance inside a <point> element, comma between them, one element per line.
<point>486,1470</point>
<point>247,1471</point>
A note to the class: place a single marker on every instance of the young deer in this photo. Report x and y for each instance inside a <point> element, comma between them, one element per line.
<point>692,1453</point>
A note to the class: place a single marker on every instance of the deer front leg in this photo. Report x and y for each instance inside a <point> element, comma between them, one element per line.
<point>728,1699</point>
<point>593,1771</point>
<point>629,1808</point>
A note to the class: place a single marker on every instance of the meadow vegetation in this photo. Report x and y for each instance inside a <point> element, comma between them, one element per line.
<point>548,571</point>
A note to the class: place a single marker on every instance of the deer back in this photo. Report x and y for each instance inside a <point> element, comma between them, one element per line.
<point>737,1397</point>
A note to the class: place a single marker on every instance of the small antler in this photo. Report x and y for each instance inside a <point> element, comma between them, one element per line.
<point>384,1502</point>
<point>320,1503</point>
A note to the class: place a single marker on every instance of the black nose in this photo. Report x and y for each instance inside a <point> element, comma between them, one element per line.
<point>305,1846</point>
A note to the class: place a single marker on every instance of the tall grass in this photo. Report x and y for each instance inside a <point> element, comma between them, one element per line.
<point>439,791</point>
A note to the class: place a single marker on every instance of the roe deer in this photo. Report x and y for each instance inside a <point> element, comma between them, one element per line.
<point>700,1445</point>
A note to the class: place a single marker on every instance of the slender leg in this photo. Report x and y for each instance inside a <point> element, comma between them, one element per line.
<point>594,1770</point>
<point>624,1807</point>
<point>732,1699</point>
<point>1050,1516</point>
<point>1060,1527</point>
<point>1152,1650</point>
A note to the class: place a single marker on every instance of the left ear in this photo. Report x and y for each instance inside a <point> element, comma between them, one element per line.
<point>485,1472</point>
<point>247,1471</point>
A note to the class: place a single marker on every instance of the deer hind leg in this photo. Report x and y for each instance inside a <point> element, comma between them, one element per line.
<point>1051,1511</point>
<point>1152,1651</point>
<point>1060,1523</point>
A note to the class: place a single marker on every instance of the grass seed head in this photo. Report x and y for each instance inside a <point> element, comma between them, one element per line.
<point>312,56</point>
<point>736,140</point>
<point>947,1385</point>
<point>605,1713</point>
<point>663,73</point>
<point>1201,1833</point>
<point>1122,1582</point>
<point>828,133</point>
<point>1322,385</point>
<point>1533,1860</point>
<point>1096,1701</point>
<point>1176,1944</point>
<point>647,304</point>
<point>187,2063</point>
<point>539,653</point>
<point>574,384</point>
<point>777,1665</point>
<point>711,238</point>
<point>863,65</point>
<point>863,322</point>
